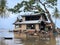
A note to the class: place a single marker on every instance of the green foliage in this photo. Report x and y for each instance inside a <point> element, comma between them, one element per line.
<point>39,8</point>
<point>16,8</point>
<point>20,5</point>
<point>2,7</point>
<point>56,13</point>
<point>52,2</point>
<point>31,2</point>
<point>3,3</point>
<point>29,5</point>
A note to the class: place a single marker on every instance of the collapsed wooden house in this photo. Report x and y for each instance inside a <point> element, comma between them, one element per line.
<point>32,22</point>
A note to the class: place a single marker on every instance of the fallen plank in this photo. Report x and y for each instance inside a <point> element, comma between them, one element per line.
<point>9,38</point>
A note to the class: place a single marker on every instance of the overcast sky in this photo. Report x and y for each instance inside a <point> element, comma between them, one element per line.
<point>7,23</point>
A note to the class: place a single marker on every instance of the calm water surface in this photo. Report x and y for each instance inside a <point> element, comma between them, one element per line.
<point>26,41</point>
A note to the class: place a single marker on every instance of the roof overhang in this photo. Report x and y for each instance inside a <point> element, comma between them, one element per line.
<point>31,22</point>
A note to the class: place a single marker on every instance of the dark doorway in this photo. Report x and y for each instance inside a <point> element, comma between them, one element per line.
<point>42,25</point>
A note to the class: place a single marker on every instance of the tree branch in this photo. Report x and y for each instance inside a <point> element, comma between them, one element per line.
<point>49,15</point>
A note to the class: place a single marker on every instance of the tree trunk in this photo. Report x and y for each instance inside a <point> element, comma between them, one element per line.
<point>48,15</point>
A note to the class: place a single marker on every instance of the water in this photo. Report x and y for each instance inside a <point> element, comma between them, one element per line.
<point>17,39</point>
<point>4,33</point>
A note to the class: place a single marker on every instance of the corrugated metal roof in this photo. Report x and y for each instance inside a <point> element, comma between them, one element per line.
<point>31,22</point>
<point>31,14</point>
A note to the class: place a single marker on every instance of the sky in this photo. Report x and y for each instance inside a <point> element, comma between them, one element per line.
<point>7,23</point>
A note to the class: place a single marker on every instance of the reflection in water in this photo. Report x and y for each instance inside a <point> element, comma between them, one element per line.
<point>40,42</point>
<point>22,39</point>
<point>58,40</point>
<point>30,40</point>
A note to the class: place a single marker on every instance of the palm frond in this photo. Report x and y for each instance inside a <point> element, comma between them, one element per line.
<point>56,13</point>
<point>52,2</point>
<point>2,7</point>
